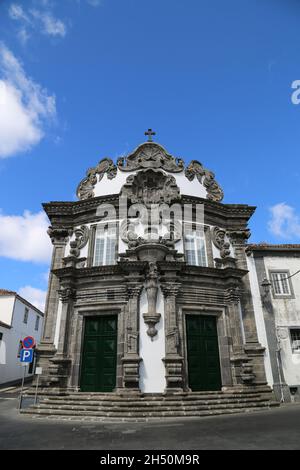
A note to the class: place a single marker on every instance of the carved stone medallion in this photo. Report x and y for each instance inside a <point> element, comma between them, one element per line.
<point>151,187</point>
<point>150,155</point>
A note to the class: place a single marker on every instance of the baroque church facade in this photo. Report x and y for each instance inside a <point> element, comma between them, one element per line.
<point>149,305</point>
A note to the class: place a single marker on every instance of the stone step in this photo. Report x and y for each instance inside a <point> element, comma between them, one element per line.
<point>148,404</point>
<point>138,410</point>
<point>157,399</point>
<point>138,414</point>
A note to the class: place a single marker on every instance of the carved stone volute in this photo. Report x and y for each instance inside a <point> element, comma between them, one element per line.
<point>218,237</point>
<point>81,239</point>
<point>85,188</point>
<point>205,177</point>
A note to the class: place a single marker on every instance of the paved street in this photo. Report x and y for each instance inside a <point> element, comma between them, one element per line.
<point>276,429</point>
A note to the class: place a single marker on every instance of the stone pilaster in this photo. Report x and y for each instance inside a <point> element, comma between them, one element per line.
<point>46,348</point>
<point>242,372</point>
<point>173,360</point>
<point>61,362</point>
<point>252,347</point>
<point>131,359</point>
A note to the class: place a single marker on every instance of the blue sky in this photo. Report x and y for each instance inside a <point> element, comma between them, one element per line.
<point>84,79</point>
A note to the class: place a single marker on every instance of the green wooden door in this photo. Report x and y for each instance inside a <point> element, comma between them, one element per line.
<point>99,360</point>
<point>203,353</point>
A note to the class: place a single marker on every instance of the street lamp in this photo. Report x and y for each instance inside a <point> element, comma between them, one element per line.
<point>266,285</point>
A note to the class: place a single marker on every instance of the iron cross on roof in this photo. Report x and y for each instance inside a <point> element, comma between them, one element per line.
<point>150,133</point>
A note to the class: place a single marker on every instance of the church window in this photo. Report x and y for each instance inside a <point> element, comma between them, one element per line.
<point>195,250</point>
<point>105,246</point>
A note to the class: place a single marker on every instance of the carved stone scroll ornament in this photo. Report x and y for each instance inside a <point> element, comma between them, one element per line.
<point>127,232</point>
<point>152,317</point>
<point>81,239</point>
<point>218,237</point>
<point>85,189</point>
<point>150,155</point>
<point>205,177</point>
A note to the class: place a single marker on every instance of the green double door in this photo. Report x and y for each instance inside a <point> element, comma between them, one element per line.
<point>99,359</point>
<point>203,353</point>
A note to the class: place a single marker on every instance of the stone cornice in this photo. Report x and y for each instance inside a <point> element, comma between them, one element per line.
<point>276,250</point>
<point>225,273</point>
<point>226,214</point>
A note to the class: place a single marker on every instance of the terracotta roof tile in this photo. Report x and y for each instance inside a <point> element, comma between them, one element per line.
<point>7,292</point>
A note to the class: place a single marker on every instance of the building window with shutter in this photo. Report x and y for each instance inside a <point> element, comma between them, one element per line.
<point>280,283</point>
<point>26,313</point>
<point>105,245</point>
<point>194,245</point>
<point>295,339</point>
<point>37,323</point>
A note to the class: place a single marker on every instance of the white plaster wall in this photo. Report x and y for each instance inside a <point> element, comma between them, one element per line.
<point>6,309</point>
<point>259,317</point>
<point>152,369</point>
<point>113,186</point>
<point>10,365</point>
<point>57,327</point>
<point>287,315</point>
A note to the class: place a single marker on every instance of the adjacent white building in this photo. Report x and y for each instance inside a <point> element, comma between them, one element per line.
<point>275,285</point>
<point>18,319</point>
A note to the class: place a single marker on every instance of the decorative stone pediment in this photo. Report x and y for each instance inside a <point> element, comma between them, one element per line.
<point>86,186</point>
<point>205,177</point>
<point>150,155</point>
<point>151,187</point>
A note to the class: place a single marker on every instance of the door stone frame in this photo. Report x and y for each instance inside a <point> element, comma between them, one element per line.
<point>80,315</point>
<point>223,341</point>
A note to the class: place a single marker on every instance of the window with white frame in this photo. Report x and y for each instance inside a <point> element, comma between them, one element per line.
<point>280,283</point>
<point>195,250</point>
<point>105,245</point>
<point>37,323</point>
<point>26,313</point>
<point>295,339</point>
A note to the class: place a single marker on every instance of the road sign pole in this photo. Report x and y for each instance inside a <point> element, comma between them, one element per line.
<point>36,388</point>
<point>24,371</point>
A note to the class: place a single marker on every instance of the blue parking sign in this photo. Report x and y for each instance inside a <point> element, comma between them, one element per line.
<point>26,355</point>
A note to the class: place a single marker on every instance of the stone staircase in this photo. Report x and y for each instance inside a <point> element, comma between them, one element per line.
<point>145,407</point>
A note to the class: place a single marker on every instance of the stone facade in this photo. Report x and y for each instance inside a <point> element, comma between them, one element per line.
<point>151,261</point>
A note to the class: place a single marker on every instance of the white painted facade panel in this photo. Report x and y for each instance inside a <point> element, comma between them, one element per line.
<point>287,316</point>
<point>152,369</point>
<point>259,317</point>
<point>6,309</point>
<point>10,366</point>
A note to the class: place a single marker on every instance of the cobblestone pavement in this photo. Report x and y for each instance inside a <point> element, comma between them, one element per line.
<point>275,429</point>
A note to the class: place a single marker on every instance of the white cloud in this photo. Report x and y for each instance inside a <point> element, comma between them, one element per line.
<point>284,222</point>
<point>94,3</point>
<point>23,36</point>
<point>36,297</point>
<point>24,237</point>
<point>41,20</point>
<point>17,13</point>
<point>49,25</point>
<point>25,107</point>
